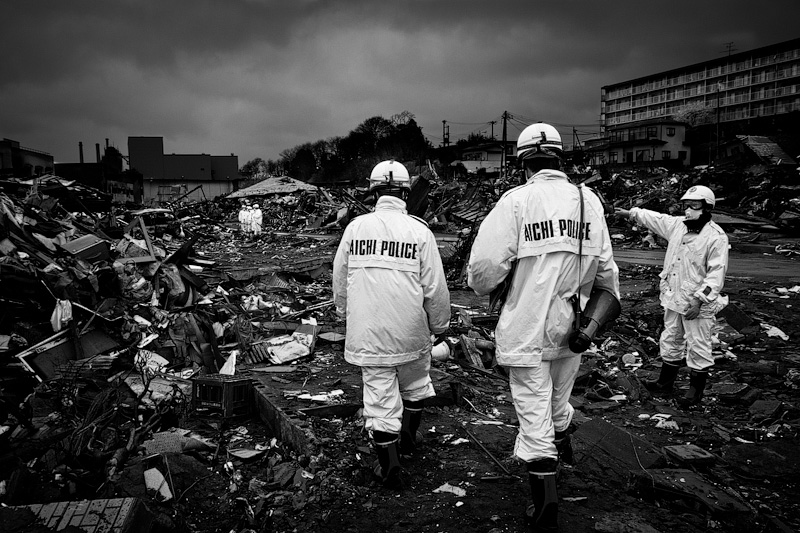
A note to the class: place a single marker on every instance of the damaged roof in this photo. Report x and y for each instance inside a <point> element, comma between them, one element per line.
<point>276,185</point>
<point>766,149</point>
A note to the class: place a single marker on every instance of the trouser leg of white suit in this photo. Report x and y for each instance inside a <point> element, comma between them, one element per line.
<point>672,344</point>
<point>386,387</point>
<point>687,338</point>
<point>698,343</point>
<point>541,400</point>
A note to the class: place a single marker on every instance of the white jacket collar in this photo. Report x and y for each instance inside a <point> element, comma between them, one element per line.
<point>391,203</point>
<point>548,174</point>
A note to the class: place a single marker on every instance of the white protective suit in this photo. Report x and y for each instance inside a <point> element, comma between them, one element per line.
<point>538,225</point>
<point>242,226</point>
<point>694,266</point>
<point>388,281</point>
<point>257,219</point>
<point>248,221</point>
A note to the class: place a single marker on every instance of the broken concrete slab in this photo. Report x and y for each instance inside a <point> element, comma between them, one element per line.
<point>728,392</point>
<point>598,441</point>
<point>690,454</point>
<point>696,491</point>
<point>765,409</point>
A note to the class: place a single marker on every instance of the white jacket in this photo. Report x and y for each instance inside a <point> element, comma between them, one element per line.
<point>538,225</point>
<point>256,219</point>
<point>694,265</point>
<point>389,282</point>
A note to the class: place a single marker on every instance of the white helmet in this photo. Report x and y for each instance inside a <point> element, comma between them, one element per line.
<point>389,173</point>
<point>540,138</point>
<point>700,192</point>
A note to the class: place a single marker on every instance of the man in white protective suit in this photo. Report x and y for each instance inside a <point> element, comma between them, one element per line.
<point>691,283</point>
<point>389,283</point>
<point>548,240</point>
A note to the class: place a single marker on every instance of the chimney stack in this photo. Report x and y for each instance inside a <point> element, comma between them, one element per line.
<point>80,151</point>
<point>97,149</point>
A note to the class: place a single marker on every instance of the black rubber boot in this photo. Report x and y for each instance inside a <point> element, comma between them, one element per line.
<point>542,515</point>
<point>697,384</point>
<point>387,467</point>
<point>666,379</point>
<point>563,442</point>
<point>412,417</point>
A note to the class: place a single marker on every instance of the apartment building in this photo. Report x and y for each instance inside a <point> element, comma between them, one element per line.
<point>759,83</point>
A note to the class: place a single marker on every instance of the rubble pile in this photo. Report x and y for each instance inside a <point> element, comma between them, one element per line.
<point>759,206</point>
<point>130,340</point>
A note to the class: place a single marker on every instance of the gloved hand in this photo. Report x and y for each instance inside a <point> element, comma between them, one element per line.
<point>694,309</point>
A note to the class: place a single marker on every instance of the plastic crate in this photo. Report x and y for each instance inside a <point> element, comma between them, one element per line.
<point>228,395</point>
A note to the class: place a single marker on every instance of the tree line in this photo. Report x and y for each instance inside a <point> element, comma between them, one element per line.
<point>350,158</point>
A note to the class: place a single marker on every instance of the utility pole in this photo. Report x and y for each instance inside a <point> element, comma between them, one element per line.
<point>493,122</point>
<point>445,137</point>
<point>503,158</point>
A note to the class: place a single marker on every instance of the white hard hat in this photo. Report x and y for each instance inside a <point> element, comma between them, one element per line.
<point>700,192</point>
<point>389,173</point>
<point>539,139</point>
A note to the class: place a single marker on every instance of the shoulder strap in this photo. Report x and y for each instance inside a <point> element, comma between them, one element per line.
<point>580,233</point>
<point>576,299</point>
<point>418,219</point>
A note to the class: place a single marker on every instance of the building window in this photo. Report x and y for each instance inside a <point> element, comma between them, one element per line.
<point>641,155</point>
<point>670,132</point>
<point>612,157</point>
<point>682,155</point>
<point>666,154</point>
<point>652,131</point>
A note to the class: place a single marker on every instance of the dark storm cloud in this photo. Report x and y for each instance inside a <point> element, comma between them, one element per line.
<point>257,77</point>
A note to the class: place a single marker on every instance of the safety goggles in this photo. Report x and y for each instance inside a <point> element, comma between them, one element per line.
<point>695,205</point>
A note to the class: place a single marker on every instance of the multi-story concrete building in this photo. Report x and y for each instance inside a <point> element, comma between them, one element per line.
<point>746,85</point>
<point>167,177</point>
<point>20,162</point>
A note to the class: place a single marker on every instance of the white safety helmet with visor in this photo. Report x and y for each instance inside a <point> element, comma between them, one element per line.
<point>389,175</point>
<point>539,140</point>
<point>697,199</point>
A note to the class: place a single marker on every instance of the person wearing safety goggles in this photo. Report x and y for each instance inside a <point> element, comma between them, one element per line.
<point>691,285</point>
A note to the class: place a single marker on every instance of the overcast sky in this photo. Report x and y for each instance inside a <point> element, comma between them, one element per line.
<point>256,77</point>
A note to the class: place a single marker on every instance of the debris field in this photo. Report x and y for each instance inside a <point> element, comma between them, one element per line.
<point>164,370</point>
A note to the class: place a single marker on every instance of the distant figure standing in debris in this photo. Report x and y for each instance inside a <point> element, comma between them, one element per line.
<point>691,282</point>
<point>257,220</point>
<point>248,221</point>
<point>388,281</point>
<point>242,218</point>
<point>534,241</point>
